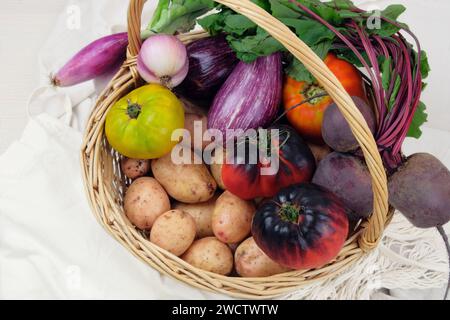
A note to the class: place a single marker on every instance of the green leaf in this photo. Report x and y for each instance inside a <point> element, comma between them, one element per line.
<point>248,49</point>
<point>265,4</point>
<point>178,15</point>
<point>298,71</point>
<point>284,9</point>
<point>238,24</point>
<point>393,12</point>
<point>386,72</point>
<point>309,31</point>
<point>420,117</point>
<point>424,65</point>
<point>386,29</point>
<point>349,56</point>
<point>397,84</point>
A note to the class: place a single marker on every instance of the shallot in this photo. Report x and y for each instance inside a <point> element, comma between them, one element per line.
<point>163,60</point>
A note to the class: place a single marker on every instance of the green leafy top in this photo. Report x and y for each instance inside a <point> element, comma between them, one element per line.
<point>173,16</point>
<point>250,41</point>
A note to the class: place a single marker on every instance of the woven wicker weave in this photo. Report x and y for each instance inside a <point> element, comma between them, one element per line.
<point>105,184</point>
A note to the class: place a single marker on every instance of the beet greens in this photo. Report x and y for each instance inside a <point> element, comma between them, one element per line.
<point>395,70</point>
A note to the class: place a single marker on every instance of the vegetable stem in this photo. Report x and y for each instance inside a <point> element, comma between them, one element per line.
<point>396,80</point>
<point>133,110</point>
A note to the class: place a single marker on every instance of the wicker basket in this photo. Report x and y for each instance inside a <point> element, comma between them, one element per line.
<point>105,184</point>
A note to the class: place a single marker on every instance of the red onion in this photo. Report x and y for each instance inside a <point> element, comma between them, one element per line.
<point>96,59</point>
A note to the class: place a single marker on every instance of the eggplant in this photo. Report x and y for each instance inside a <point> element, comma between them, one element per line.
<point>251,96</point>
<point>211,61</point>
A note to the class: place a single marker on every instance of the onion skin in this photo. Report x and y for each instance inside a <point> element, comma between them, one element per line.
<point>93,61</point>
<point>251,96</point>
<point>211,61</point>
<point>163,60</point>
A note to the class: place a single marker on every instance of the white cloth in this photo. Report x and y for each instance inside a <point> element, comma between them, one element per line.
<point>52,247</point>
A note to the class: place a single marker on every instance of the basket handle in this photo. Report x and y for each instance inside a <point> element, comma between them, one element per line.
<point>374,228</point>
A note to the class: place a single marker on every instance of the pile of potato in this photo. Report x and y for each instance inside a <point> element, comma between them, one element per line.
<point>188,215</point>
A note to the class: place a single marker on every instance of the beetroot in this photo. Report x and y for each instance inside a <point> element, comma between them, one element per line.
<point>348,178</point>
<point>336,131</point>
<point>420,189</point>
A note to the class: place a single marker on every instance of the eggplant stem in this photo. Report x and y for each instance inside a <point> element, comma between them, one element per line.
<point>447,245</point>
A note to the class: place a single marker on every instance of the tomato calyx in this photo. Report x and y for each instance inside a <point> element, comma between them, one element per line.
<point>290,212</point>
<point>133,109</point>
<point>314,93</point>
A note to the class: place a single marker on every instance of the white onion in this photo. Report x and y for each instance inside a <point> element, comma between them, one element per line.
<point>163,59</point>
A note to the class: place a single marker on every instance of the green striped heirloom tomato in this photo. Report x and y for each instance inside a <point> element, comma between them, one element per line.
<point>140,125</point>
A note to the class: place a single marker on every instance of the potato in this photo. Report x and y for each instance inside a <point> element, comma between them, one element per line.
<point>216,167</point>
<point>211,255</point>
<point>202,214</point>
<point>191,122</point>
<point>252,262</point>
<point>134,168</point>
<point>145,200</point>
<point>232,218</point>
<point>174,231</point>
<point>187,183</point>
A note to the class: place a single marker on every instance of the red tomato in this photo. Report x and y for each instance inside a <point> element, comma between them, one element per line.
<point>296,164</point>
<point>307,119</point>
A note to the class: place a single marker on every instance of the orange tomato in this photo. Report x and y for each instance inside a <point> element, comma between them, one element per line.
<point>307,119</point>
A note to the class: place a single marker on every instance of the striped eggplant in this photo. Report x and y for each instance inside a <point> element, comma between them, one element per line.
<point>251,96</point>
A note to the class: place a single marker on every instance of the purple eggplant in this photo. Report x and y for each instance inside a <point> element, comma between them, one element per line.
<point>96,59</point>
<point>251,96</point>
<point>211,61</point>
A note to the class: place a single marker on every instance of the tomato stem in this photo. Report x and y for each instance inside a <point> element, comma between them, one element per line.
<point>290,212</point>
<point>314,93</point>
<point>318,96</point>
<point>133,110</point>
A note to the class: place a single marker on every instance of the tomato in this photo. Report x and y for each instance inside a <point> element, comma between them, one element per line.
<point>247,180</point>
<point>303,227</point>
<point>307,119</point>
<point>140,125</point>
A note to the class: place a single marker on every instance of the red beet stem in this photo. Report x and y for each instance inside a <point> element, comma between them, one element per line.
<point>395,113</point>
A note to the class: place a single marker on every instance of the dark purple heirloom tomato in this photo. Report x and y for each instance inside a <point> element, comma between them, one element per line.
<point>303,227</point>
